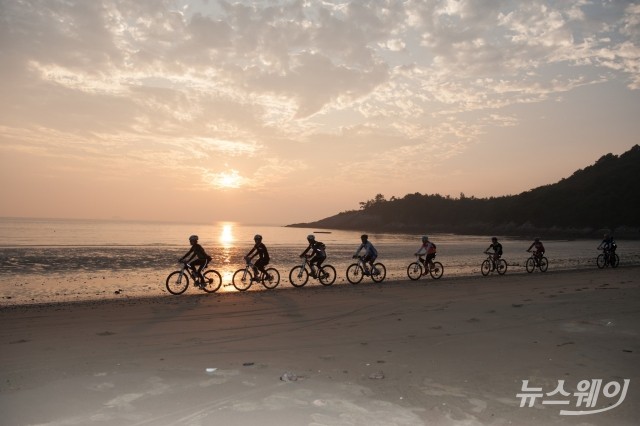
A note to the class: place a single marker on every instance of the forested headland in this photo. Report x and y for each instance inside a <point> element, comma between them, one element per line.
<point>603,197</point>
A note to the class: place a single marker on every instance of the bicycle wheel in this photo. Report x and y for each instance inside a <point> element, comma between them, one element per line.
<point>354,273</point>
<point>615,260</point>
<point>378,273</point>
<point>298,276</point>
<point>212,280</point>
<point>177,282</point>
<point>530,265</point>
<point>543,264</point>
<point>414,271</point>
<point>242,279</point>
<point>485,268</point>
<point>272,279</point>
<point>601,261</point>
<point>327,275</point>
<point>502,266</point>
<point>437,270</point>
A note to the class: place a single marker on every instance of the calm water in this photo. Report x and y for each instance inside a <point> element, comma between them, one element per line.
<point>89,255</point>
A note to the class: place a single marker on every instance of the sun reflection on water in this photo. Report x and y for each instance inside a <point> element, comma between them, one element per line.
<point>226,237</point>
<point>226,269</point>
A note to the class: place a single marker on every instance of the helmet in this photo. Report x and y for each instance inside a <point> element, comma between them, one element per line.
<point>425,238</point>
<point>494,239</point>
<point>537,240</point>
<point>364,237</point>
<point>193,238</point>
<point>257,237</point>
<point>311,237</point>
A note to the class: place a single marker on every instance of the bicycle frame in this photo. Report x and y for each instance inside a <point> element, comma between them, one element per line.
<point>299,274</point>
<point>423,262</point>
<point>247,269</point>
<point>356,271</point>
<point>491,259</point>
<point>269,280</point>
<point>363,265</point>
<point>499,265</point>
<point>305,262</point>
<point>177,281</point>
<point>421,267</point>
<point>536,257</point>
<point>309,269</point>
<point>610,258</point>
<point>186,266</point>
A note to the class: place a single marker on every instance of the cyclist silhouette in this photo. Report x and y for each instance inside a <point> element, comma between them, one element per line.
<point>318,254</point>
<point>370,252</point>
<point>430,250</point>
<point>260,250</point>
<point>607,244</point>
<point>201,257</point>
<point>497,249</point>
<point>539,248</point>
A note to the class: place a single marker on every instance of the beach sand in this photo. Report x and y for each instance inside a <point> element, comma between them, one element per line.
<point>448,352</point>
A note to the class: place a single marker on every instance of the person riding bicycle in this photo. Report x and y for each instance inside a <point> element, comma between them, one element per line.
<point>318,254</point>
<point>259,249</point>
<point>430,250</point>
<point>370,252</point>
<point>497,249</point>
<point>608,245</point>
<point>201,258</point>
<point>538,247</point>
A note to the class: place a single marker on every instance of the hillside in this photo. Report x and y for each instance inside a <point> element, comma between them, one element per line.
<point>603,196</point>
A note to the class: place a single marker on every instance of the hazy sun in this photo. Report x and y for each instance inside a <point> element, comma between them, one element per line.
<point>229,179</point>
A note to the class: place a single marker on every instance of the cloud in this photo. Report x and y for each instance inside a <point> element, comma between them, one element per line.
<point>229,82</point>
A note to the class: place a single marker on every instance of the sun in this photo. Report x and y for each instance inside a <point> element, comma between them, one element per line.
<point>230,179</point>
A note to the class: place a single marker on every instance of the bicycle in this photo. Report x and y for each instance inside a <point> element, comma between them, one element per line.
<point>536,261</point>
<point>178,281</point>
<point>299,275</point>
<point>490,264</point>
<point>607,258</point>
<point>243,278</point>
<point>415,269</point>
<point>356,271</point>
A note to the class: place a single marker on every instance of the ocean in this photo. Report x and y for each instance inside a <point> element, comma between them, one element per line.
<point>53,260</point>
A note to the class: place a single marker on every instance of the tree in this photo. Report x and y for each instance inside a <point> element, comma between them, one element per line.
<point>378,199</point>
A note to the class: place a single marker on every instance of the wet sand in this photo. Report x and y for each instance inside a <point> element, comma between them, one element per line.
<point>452,352</point>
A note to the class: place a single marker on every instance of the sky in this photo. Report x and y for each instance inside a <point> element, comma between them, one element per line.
<point>278,112</point>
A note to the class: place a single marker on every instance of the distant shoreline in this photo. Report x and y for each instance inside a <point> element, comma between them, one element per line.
<point>501,230</point>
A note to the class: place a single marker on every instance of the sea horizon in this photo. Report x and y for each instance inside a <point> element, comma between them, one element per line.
<point>120,219</point>
<point>317,229</point>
